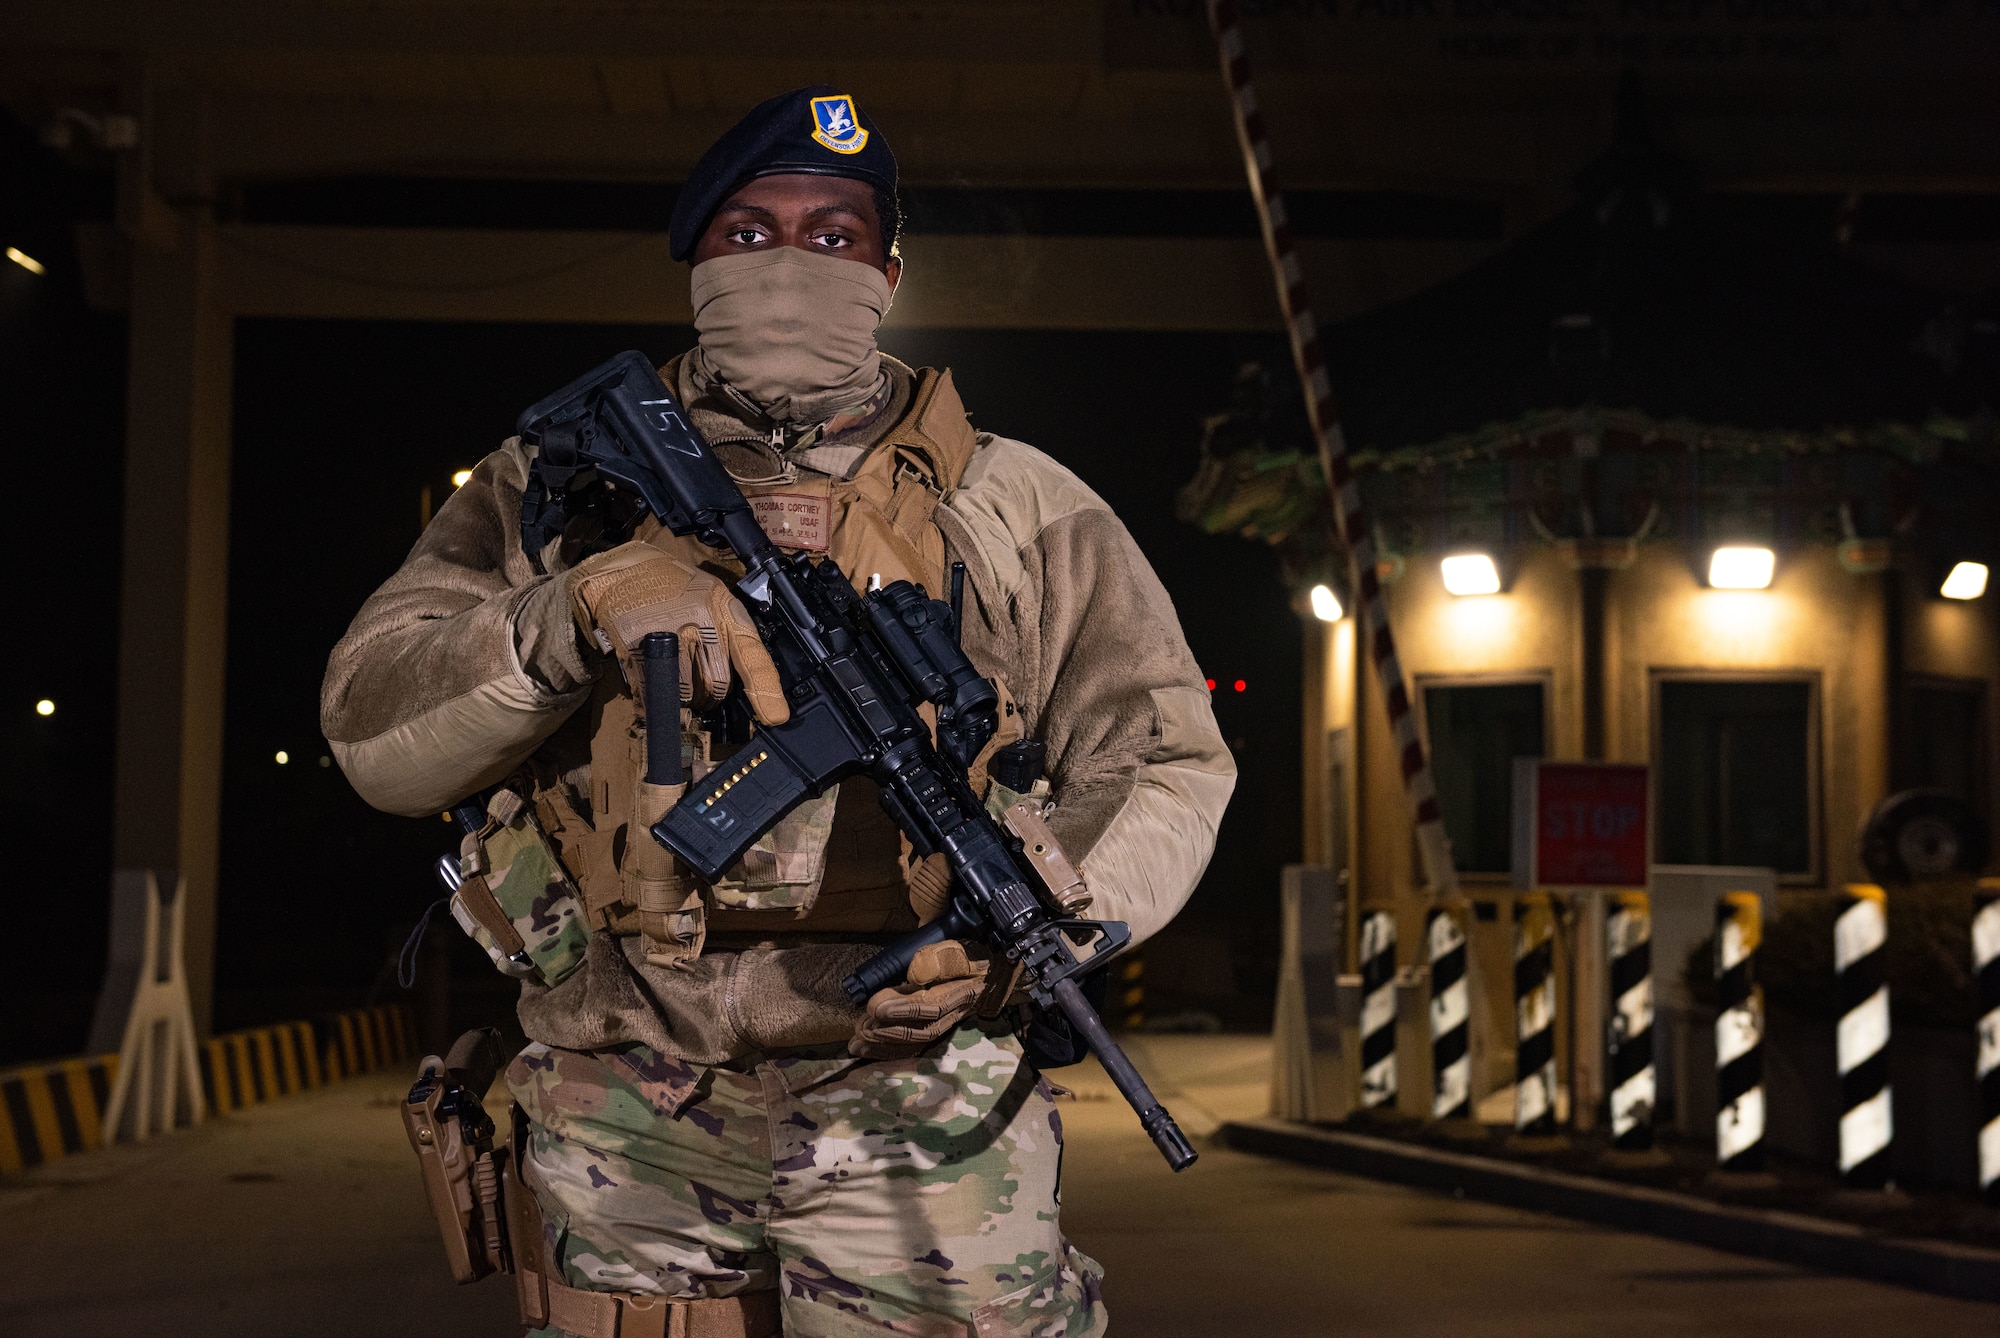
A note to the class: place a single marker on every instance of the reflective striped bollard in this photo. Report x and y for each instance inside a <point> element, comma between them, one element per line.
<point>1629,945</point>
<point>1739,1034</point>
<point>1451,1018</point>
<point>1534,1016</point>
<point>1867,1122</point>
<point>1986,965</point>
<point>1378,1009</point>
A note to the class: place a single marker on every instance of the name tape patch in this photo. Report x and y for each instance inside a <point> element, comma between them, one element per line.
<point>796,520</point>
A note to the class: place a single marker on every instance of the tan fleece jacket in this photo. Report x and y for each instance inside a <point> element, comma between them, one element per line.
<point>463,669</point>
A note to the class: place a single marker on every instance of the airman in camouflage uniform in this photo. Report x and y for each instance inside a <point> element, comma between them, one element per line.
<point>709,1116</point>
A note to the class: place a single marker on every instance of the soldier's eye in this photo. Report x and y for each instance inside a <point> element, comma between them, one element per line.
<point>833,241</point>
<point>746,236</point>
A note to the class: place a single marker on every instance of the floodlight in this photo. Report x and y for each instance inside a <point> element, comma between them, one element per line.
<point>45,707</point>
<point>1471,574</point>
<point>1326,604</point>
<point>1967,581</point>
<point>25,261</point>
<point>1741,568</point>
<point>460,479</point>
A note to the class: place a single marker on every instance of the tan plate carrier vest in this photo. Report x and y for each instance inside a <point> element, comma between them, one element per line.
<point>856,867</point>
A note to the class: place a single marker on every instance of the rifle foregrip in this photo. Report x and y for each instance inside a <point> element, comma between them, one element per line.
<point>889,966</point>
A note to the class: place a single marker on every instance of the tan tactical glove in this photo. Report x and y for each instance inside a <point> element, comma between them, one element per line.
<point>947,983</point>
<point>621,596</point>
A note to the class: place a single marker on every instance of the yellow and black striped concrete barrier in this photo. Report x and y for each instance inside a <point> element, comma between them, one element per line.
<point>55,1108</point>
<point>362,1040</point>
<point>243,1068</point>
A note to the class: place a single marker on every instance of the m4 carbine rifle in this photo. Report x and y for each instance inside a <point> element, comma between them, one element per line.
<point>854,667</point>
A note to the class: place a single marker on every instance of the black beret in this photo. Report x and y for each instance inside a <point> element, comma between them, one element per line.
<point>818,130</point>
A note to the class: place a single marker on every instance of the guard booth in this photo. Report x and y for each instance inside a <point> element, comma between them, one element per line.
<point>1646,493</point>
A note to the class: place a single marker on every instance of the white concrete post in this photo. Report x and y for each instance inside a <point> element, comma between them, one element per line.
<point>158,1077</point>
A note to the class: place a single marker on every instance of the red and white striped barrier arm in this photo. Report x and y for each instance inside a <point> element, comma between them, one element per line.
<point>1296,302</point>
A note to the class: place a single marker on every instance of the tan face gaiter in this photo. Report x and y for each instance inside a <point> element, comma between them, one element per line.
<point>790,331</point>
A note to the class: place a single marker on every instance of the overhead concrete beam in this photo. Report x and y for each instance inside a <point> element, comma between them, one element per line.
<point>278,137</point>
<point>992,30</point>
<point>957,282</point>
<point>1183,139</point>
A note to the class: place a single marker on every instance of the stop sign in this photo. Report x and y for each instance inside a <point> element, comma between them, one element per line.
<point>1579,824</point>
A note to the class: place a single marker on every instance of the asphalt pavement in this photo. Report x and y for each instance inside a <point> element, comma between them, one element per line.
<point>304,1218</point>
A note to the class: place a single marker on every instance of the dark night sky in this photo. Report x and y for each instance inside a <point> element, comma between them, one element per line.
<point>62,382</point>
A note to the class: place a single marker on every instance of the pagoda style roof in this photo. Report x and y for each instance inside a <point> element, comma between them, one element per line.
<point>1647,364</point>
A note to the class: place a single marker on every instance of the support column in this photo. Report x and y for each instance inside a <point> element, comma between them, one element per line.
<point>172,624</point>
<point>1587,996</point>
<point>1592,582</point>
<point>1593,560</point>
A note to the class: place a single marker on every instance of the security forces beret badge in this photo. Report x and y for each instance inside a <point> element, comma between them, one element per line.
<point>835,126</point>
<point>816,130</point>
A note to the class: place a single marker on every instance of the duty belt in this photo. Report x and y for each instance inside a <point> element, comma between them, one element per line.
<point>631,1315</point>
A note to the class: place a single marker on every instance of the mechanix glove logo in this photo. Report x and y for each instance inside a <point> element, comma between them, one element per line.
<point>836,126</point>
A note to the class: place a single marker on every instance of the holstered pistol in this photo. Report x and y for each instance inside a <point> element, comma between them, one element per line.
<point>452,1136</point>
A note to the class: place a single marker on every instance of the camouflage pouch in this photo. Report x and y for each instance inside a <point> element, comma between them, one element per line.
<point>516,892</point>
<point>784,869</point>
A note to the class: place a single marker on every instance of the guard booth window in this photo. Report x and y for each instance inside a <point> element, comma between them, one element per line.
<point>1735,774</point>
<point>1476,732</point>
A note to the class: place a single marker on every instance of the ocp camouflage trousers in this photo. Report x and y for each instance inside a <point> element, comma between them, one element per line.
<point>913,1197</point>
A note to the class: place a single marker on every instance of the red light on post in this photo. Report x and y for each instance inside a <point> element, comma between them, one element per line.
<point>1211,685</point>
<point>1240,685</point>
